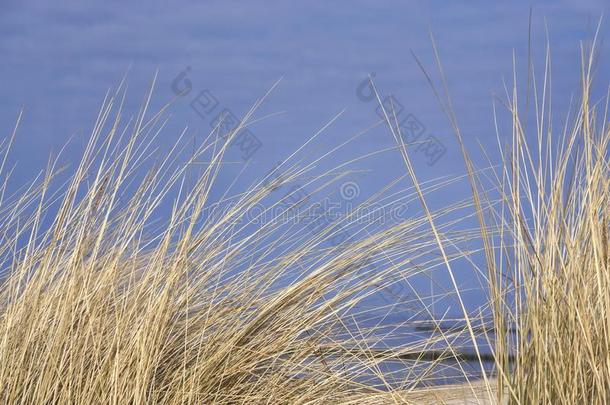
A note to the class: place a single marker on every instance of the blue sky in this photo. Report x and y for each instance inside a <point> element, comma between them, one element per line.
<point>58,59</point>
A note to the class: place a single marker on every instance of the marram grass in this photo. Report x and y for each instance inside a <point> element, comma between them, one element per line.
<point>549,271</point>
<point>104,304</point>
<point>101,303</point>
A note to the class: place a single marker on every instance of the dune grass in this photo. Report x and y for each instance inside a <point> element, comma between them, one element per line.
<point>103,303</point>
<point>549,269</point>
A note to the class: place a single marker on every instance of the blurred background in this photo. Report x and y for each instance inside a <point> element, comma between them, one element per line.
<point>216,58</point>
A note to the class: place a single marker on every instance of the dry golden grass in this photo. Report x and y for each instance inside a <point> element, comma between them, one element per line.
<point>546,245</point>
<point>101,304</point>
<point>549,269</point>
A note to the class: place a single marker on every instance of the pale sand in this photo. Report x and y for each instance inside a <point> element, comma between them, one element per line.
<point>470,393</point>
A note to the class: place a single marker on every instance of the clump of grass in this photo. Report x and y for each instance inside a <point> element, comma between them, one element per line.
<point>546,245</point>
<point>548,270</point>
<point>101,304</point>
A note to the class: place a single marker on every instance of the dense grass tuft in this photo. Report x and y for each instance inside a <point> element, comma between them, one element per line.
<point>103,303</point>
